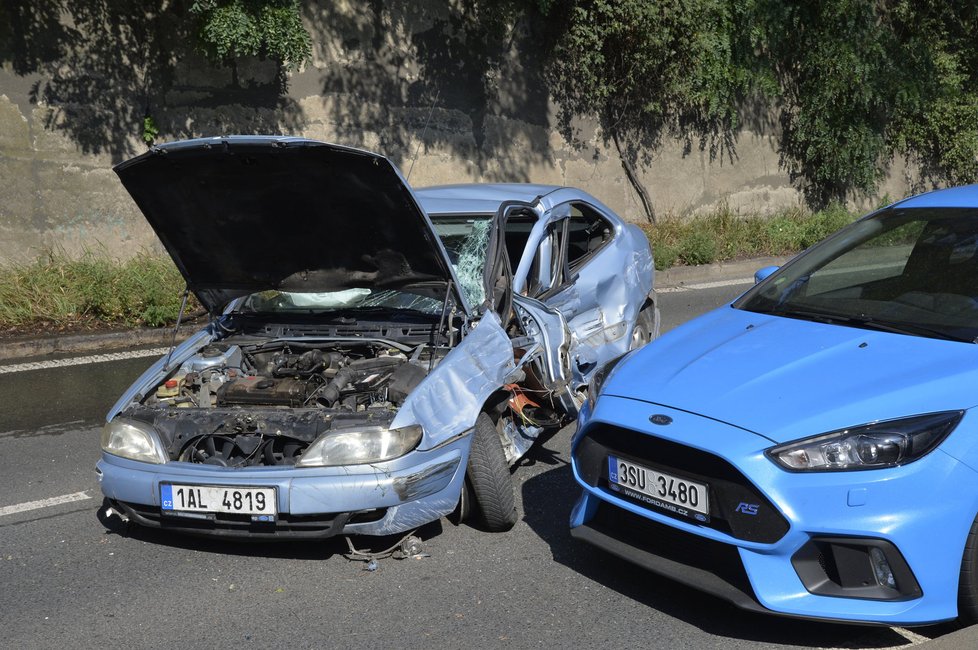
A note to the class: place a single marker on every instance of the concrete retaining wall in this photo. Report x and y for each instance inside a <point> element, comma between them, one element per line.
<point>74,89</point>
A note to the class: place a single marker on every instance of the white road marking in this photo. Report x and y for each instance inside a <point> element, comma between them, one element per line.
<point>705,285</point>
<point>44,503</point>
<point>911,636</point>
<point>81,361</point>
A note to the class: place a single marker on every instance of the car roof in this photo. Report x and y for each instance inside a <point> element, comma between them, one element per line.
<point>965,196</point>
<point>477,198</point>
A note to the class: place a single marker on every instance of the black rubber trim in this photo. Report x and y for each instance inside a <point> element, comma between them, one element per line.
<point>688,559</point>
<point>287,527</point>
<point>841,567</point>
<point>737,507</point>
<point>694,561</point>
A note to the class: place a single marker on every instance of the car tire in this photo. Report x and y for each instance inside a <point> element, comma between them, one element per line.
<point>968,584</point>
<point>646,326</point>
<point>488,472</point>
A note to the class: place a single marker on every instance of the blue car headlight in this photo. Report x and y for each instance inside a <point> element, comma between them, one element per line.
<point>870,446</point>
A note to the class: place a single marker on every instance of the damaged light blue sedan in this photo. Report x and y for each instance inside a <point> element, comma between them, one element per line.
<point>376,357</point>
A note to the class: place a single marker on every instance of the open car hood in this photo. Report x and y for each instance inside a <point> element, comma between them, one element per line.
<point>243,214</point>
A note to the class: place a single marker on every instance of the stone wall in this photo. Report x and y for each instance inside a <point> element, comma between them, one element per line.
<point>76,85</point>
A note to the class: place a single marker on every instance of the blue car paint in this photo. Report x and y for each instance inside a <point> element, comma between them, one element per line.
<point>435,479</point>
<point>425,483</point>
<point>799,378</point>
<point>736,383</point>
<point>819,504</point>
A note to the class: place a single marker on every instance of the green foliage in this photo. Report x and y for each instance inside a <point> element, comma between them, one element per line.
<point>725,235</point>
<point>150,130</point>
<point>644,68</point>
<point>854,82</point>
<point>62,291</point>
<point>230,29</point>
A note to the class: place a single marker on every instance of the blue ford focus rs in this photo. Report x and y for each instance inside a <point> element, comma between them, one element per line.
<point>810,449</point>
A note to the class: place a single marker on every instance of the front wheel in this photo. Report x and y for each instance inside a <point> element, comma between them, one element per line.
<point>488,474</point>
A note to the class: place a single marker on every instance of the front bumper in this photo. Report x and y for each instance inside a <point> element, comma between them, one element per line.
<point>895,509</point>
<point>381,499</point>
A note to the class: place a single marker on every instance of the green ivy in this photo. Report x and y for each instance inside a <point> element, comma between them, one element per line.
<point>230,29</point>
<point>150,130</point>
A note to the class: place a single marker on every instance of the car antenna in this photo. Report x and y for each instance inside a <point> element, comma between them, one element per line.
<point>423,132</point>
<point>176,328</point>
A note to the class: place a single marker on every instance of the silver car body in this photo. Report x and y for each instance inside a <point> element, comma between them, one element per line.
<point>567,318</point>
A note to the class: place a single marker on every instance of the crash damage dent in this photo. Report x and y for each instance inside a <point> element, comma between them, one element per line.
<point>606,334</point>
<point>450,398</point>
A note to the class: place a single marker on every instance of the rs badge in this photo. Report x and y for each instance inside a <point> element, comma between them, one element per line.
<point>747,508</point>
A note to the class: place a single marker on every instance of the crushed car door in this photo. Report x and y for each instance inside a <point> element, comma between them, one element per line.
<point>538,333</point>
<point>583,288</point>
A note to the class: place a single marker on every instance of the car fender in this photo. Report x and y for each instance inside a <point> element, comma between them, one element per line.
<point>448,401</point>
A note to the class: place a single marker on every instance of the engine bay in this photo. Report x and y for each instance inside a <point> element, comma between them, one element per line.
<point>244,404</point>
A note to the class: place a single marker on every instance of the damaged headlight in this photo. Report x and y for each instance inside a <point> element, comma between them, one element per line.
<point>133,440</point>
<point>360,446</point>
<point>871,446</point>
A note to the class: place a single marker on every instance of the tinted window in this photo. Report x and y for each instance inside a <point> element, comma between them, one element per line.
<point>914,271</point>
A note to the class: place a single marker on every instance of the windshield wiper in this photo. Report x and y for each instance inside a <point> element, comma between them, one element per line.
<point>912,329</point>
<point>868,322</point>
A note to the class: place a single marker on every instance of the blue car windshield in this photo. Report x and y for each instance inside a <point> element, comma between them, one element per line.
<point>910,271</point>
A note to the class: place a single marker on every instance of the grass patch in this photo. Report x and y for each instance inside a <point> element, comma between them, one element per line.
<point>725,235</point>
<point>59,291</point>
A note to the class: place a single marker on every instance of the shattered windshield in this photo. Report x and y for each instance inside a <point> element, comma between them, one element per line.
<point>910,271</point>
<point>466,239</point>
<point>358,299</point>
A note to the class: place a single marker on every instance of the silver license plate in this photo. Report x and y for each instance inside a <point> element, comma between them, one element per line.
<point>211,498</point>
<point>678,495</point>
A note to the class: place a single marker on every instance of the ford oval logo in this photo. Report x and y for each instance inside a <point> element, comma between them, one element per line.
<point>660,419</point>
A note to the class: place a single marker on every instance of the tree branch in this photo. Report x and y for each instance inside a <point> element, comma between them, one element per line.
<point>643,194</point>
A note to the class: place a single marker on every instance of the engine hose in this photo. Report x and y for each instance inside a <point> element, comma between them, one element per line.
<point>332,391</point>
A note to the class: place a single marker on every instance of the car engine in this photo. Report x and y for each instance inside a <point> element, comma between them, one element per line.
<point>240,405</point>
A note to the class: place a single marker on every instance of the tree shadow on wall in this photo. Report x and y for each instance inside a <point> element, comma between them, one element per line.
<point>460,78</point>
<point>106,65</point>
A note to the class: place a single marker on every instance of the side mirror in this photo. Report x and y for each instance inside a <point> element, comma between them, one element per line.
<point>761,274</point>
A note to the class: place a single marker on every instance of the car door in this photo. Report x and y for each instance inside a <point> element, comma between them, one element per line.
<point>576,274</point>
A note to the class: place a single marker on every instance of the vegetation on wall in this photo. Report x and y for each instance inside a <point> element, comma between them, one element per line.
<point>847,86</point>
<point>854,83</point>
<point>648,69</point>
<point>232,29</point>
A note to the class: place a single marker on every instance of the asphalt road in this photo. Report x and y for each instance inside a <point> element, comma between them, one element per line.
<point>68,582</point>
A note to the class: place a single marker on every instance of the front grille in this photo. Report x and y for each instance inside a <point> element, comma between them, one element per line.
<point>287,526</point>
<point>732,496</point>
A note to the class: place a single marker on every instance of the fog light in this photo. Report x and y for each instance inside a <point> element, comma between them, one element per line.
<point>881,568</point>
